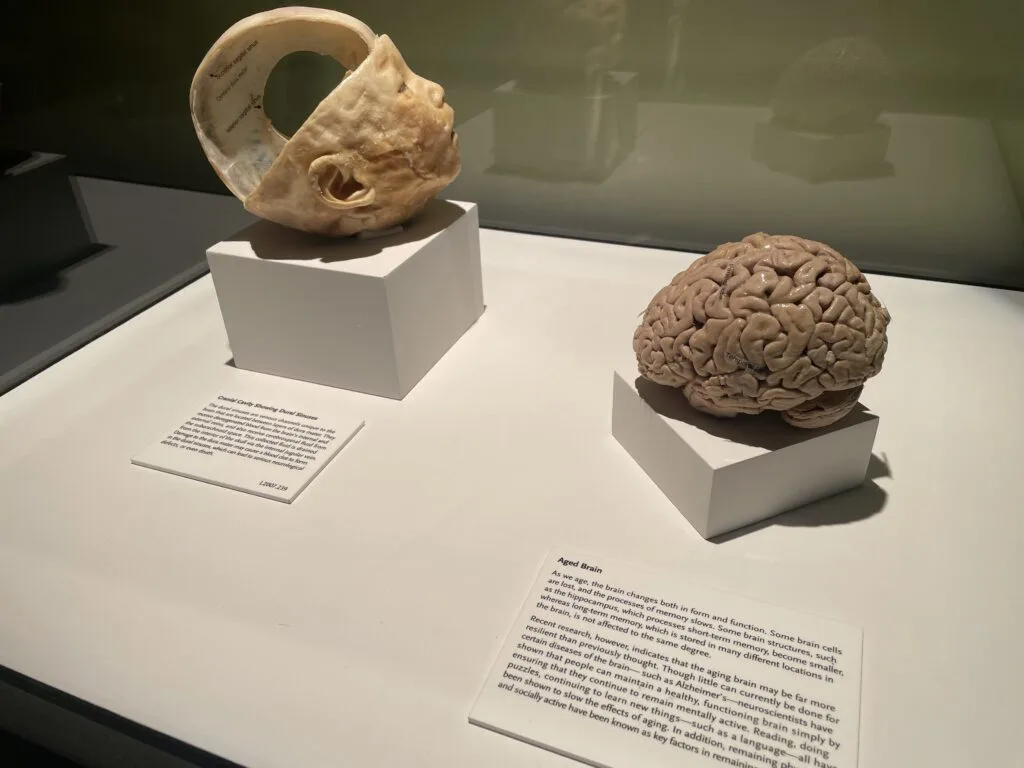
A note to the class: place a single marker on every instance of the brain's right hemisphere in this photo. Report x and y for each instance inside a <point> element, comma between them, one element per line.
<point>770,323</point>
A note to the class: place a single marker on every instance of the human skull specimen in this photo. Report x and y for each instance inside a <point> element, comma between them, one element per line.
<point>370,156</point>
<point>771,323</point>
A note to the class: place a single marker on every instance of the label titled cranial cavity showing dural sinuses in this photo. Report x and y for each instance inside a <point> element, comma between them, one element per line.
<point>264,445</point>
<point>616,666</point>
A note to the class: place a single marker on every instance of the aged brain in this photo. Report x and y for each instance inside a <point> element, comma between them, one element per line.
<point>770,323</point>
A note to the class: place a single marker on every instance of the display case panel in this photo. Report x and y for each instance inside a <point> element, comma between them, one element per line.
<point>892,131</point>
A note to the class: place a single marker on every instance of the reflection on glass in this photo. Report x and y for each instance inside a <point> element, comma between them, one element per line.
<point>568,114</point>
<point>673,78</point>
<point>892,131</point>
<point>825,110</point>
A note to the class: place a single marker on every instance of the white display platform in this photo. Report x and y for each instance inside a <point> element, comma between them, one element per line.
<point>367,314</point>
<point>724,474</point>
<point>818,157</point>
<point>357,626</point>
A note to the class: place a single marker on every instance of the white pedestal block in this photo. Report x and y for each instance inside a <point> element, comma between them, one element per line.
<point>371,315</point>
<point>818,157</point>
<point>723,474</point>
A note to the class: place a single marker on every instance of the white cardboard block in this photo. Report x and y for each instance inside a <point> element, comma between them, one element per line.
<point>723,474</point>
<point>366,314</point>
<point>564,135</point>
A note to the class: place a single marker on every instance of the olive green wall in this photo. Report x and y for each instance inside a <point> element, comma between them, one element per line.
<point>678,148</point>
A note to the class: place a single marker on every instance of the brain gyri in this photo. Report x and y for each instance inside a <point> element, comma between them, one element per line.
<point>771,323</point>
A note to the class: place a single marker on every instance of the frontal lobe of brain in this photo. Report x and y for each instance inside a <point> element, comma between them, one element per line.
<point>771,323</point>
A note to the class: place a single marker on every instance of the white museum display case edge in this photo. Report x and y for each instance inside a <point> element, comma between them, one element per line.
<point>375,604</point>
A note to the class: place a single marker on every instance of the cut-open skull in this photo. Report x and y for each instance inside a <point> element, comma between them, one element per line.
<point>369,157</point>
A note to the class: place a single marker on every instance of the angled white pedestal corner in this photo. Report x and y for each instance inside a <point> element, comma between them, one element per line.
<point>371,315</point>
<point>723,474</point>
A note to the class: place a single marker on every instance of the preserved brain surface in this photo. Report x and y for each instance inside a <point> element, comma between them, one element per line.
<point>770,323</point>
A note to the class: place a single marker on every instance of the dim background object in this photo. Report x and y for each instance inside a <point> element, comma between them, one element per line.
<point>836,87</point>
<point>822,157</point>
<point>569,115</point>
<point>369,156</point>
<point>825,111</point>
<point>565,44</point>
<point>155,242</point>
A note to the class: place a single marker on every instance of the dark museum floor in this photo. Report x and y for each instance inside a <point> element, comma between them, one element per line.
<point>17,753</point>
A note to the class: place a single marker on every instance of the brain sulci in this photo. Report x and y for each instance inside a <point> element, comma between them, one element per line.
<point>770,323</point>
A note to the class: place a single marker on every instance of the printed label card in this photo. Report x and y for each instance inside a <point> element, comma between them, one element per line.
<point>619,667</point>
<point>256,445</point>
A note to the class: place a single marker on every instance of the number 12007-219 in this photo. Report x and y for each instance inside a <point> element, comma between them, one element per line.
<point>274,486</point>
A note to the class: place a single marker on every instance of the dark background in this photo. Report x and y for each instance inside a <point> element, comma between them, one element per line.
<point>17,753</point>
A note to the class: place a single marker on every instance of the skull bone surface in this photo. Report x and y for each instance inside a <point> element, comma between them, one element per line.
<point>771,323</point>
<point>372,154</point>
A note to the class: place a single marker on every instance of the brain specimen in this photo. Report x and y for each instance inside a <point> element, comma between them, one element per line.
<point>771,323</point>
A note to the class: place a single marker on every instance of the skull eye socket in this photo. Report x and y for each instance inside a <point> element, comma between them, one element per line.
<point>337,187</point>
<point>403,87</point>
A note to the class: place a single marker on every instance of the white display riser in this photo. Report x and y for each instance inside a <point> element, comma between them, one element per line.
<point>368,314</point>
<point>724,474</point>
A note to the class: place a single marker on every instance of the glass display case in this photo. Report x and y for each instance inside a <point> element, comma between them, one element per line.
<point>318,339</point>
<point>652,123</point>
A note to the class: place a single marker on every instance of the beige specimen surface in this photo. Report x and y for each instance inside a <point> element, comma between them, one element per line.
<point>375,150</point>
<point>773,322</point>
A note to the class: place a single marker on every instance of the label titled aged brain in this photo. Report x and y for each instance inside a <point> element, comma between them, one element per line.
<point>619,667</point>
